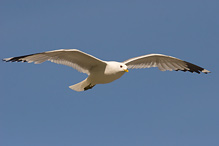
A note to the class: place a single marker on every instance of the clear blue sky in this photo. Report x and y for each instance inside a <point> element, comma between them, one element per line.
<point>144,107</point>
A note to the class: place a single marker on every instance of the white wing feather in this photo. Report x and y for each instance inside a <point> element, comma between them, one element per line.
<point>71,57</point>
<point>163,62</point>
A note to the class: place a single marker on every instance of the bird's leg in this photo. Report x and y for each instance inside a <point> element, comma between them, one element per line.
<point>88,87</point>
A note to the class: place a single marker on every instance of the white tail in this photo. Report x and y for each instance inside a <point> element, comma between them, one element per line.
<point>80,86</point>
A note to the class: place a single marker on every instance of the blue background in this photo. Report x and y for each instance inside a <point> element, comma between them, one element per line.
<point>144,107</point>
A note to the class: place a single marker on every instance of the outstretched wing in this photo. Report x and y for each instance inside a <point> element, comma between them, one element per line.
<point>71,57</point>
<point>163,62</point>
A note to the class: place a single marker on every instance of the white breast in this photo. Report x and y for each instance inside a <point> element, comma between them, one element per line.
<point>106,75</point>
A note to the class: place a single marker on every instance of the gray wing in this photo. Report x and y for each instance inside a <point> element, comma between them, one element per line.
<point>163,62</point>
<point>71,57</point>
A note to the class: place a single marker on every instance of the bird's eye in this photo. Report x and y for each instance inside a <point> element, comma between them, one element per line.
<point>120,66</point>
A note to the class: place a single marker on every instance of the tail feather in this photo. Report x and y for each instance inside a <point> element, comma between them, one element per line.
<point>82,86</point>
<point>79,86</point>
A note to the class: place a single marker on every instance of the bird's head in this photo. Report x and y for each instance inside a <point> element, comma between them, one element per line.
<point>123,67</point>
<point>114,67</point>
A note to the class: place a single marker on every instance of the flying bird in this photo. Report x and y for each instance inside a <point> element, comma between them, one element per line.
<point>102,72</point>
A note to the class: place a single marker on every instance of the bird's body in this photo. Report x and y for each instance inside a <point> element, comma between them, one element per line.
<point>107,74</point>
<point>102,72</point>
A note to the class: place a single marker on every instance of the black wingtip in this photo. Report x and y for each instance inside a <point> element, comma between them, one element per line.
<point>197,69</point>
<point>5,60</point>
<point>16,59</point>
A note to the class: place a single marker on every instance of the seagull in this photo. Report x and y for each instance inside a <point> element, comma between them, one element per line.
<point>102,72</point>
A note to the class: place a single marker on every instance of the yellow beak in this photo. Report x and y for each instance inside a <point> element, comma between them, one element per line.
<point>126,70</point>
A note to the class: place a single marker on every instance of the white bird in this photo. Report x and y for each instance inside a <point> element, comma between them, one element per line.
<point>101,72</point>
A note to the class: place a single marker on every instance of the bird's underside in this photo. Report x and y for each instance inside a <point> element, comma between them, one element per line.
<point>86,63</point>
